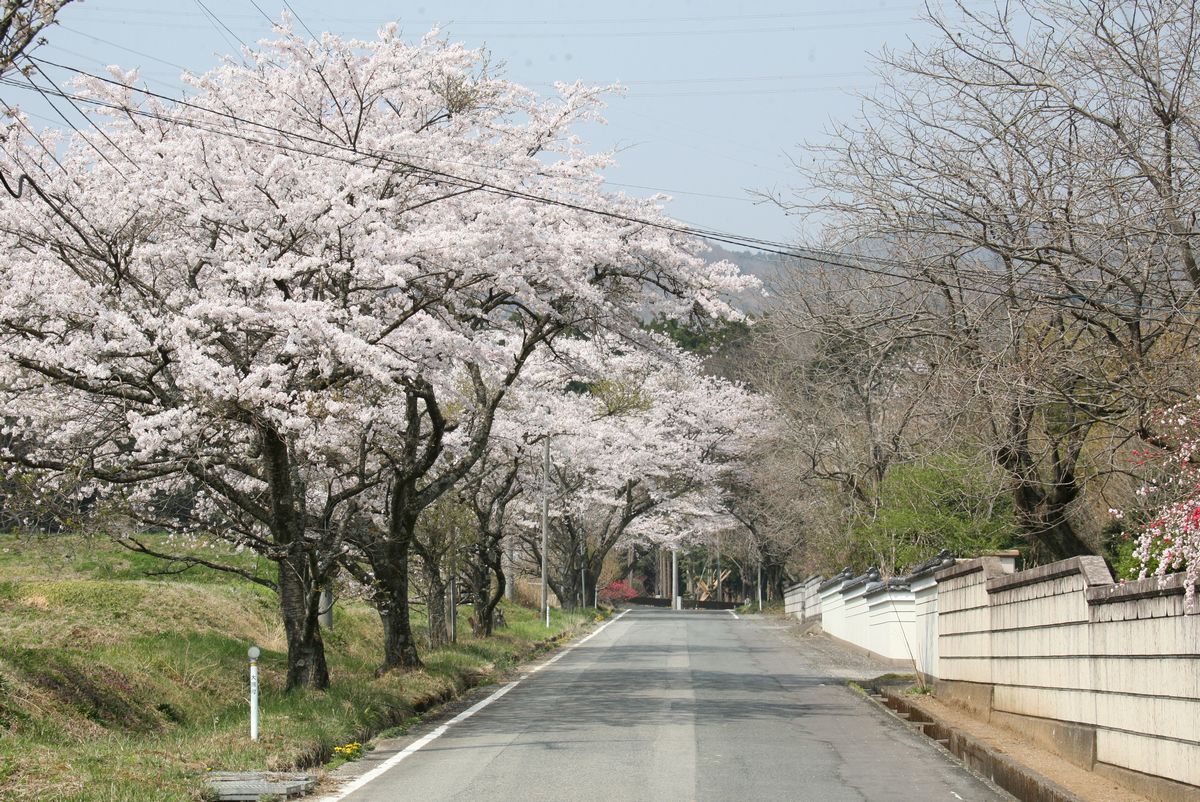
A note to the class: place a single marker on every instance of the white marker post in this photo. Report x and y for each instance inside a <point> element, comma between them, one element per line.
<point>253,653</point>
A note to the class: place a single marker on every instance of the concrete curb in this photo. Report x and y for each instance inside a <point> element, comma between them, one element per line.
<point>1016,778</point>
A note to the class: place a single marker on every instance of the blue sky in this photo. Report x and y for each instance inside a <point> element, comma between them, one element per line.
<point>721,96</point>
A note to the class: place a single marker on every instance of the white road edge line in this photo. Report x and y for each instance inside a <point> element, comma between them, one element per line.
<point>735,615</point>
<point>429,737</point>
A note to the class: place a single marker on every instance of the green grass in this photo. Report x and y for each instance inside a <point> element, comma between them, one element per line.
<point>116,686</point>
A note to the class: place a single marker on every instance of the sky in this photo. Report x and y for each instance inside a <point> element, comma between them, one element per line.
<point>720,96</point>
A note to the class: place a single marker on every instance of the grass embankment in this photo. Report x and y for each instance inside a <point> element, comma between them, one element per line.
<point>116,686</point>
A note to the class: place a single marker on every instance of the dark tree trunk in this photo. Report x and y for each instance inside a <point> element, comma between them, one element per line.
<point>566,587</point>
<point>773,575</point>
<point>390,562</point>
<point>435,606</point>
<point>488,564</point>
<point>1041,504</point>
<point>1043,517</point>
<point>299,588</point>
<point>300,604</point>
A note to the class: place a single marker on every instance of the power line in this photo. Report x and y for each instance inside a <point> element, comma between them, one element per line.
<point>453,179</point>
<point>722,32</point>
<point>830,258</point>
<point>750,78</point>
<point>265,16</point>
<point>542,22</point>
<point>825,257</point>
<point>216,21</point>
<point>86,117</point>
<point>58,92</point>
<point>179,67</point>
<point>307,29</point>
<point>796,90</point>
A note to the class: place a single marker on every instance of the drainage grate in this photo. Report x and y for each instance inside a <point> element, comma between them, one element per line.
<point>249,786</point>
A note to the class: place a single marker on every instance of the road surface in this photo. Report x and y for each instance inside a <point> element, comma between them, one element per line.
<point>663,705</point>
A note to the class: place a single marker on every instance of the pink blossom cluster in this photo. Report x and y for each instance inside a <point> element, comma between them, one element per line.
<point>1170,542</point>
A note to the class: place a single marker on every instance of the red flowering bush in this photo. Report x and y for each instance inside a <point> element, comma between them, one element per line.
<point>617,591</point>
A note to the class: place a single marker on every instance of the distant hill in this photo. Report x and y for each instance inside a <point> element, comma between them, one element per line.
<point>766,267</point>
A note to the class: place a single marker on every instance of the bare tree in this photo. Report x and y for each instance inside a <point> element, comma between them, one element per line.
<point>1037,163</point>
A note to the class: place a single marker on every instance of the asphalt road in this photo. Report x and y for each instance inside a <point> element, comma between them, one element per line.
<point>661,705</point>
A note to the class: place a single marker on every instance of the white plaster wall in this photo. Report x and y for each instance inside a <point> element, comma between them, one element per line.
<point>832,609</point>
<point>925,624</point>
<point>892,624</point>
<point>856,623</point>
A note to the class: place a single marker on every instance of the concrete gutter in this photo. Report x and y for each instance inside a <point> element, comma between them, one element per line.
<point>1017,779</point>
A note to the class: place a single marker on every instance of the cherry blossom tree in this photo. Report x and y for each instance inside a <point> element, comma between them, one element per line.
<point>640,440</point>
<point>302,294</point>
<point>21,25</point>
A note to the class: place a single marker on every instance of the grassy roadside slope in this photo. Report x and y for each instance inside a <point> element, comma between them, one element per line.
<point>115,686</point>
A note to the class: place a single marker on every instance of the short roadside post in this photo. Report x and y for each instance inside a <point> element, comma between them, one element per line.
<point>253,653</point>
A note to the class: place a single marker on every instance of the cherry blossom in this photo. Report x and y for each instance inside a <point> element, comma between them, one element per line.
<point>296,299</point>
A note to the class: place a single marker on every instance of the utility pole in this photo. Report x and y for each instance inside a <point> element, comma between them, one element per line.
<point>452,590</point>
<point>510,586</point>
<point>545,526</point>
<point>759,586</point>
<point>582,572</point>
<point>675,601</point>
<point>719,596</point>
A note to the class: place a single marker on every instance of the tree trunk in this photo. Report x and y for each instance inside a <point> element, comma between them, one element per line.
<point>566,588</point>
<point>390,562</point>
<point>484,621</point>
<point>299,589</point>
<point>773,573</point>
<point>300,604</point>
<point>487,593</point>
<point>435,607</point>
<point>1043,517</point>
<point>1041,504</point>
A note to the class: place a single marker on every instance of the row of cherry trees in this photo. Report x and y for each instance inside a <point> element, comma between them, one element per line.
<point>341,284</point>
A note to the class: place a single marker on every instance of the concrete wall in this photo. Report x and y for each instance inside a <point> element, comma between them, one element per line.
<point>855,622</point>
<point>1106,674</point>
<point>964,625</point>
<point>793,600</point>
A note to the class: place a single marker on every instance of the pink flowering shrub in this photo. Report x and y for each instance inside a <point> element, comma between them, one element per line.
<point>1170,541</point>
